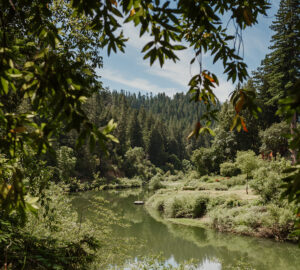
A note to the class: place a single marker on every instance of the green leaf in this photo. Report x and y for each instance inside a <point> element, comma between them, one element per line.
<point>4,83</point>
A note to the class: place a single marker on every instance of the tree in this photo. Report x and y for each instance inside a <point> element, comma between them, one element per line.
<point>274,140</point>
<point>279,85</point>
<point>247,162</point>
<point>155,147</point>
<point>135,132</point>
<point>66,162</point>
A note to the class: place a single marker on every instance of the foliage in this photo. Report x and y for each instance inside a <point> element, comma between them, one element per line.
<point>247,162</point>
<point>186,165</point>
<point>238,180</point>
<point>66,162</point>
<point>277,82</point>
<point>273,139</point>
<point>195,184</point>
<point>136,164</point>
<point>56,238</point>
<point>156,182</point>
<point>271,221</point>
<point>206,160</point>
<point>229,169</point>
<point>266,183</point>
<point>267,179</point>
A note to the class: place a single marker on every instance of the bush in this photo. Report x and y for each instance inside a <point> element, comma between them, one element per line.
<point>179,207</point>
<point>173,178</point>
<point>200,207</point>
<point>155,182</point>
<point>266,221</point>
<point>174,160</point>
<point>187,165</point>
<point>267,179</point>
<point>236,181</point>
<point>98,181</point>
<point>74,185</point>
<point>229,169</point>
<point>267,184</point>
<point>211,186</point>
<point>205,178</point>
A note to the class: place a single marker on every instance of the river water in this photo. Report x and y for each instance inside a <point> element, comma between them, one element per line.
<point>210,250</point>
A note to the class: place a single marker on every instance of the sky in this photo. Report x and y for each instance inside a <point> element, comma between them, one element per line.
<point>128,71</point>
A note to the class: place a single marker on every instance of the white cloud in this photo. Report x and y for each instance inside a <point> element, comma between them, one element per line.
<point>140,84</point>
<point>133,34</point>
<point>223,90</point>
<point>135,83</point>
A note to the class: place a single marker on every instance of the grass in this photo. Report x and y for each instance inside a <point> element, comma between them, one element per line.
<point>202,222</point>
<point>122,183</point>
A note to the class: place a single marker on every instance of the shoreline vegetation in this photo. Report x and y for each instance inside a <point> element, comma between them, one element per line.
<point>221,203</point>
<point>184,208</point>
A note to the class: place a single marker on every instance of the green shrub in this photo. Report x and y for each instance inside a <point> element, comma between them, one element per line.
<point>236,181</point>
<point>267,184</point>
<point>74,185</point>
<point>188,188</point>
<point>56,237</point>
<point>266,221</point>
<point>173,178</point>
<point>98,181</point>
<point>233,201</point>
<point>229,169</point>
<point>205,178</point>
<point>184,207</point>
<point>186,165</point>
<point>160,206</point>
<point>211,186</point>
<point>155,182</point>
<point>200,207</point>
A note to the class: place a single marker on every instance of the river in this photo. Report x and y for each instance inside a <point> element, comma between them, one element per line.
<point>210,250</point>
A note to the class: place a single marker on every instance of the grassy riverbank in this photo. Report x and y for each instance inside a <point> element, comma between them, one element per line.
<point>221,203</point>
<point>75,185</point>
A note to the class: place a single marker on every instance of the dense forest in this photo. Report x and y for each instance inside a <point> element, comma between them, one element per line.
<point>230,166</point>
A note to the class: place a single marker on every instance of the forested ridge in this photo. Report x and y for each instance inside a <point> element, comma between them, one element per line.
<point>230,166</point>
<point>157,124</point>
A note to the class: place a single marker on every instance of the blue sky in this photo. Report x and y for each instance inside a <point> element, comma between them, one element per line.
<point>128,71</point>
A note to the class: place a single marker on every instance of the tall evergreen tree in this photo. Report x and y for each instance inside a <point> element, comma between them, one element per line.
<point>135,132</point>
<point>155,148</point>
<point>280,69</point>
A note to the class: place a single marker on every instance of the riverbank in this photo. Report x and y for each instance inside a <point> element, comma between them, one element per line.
<point>75,185</point>
<point>223,208</point>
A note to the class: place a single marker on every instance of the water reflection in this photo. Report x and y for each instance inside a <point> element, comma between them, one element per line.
<point>180,243</point>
